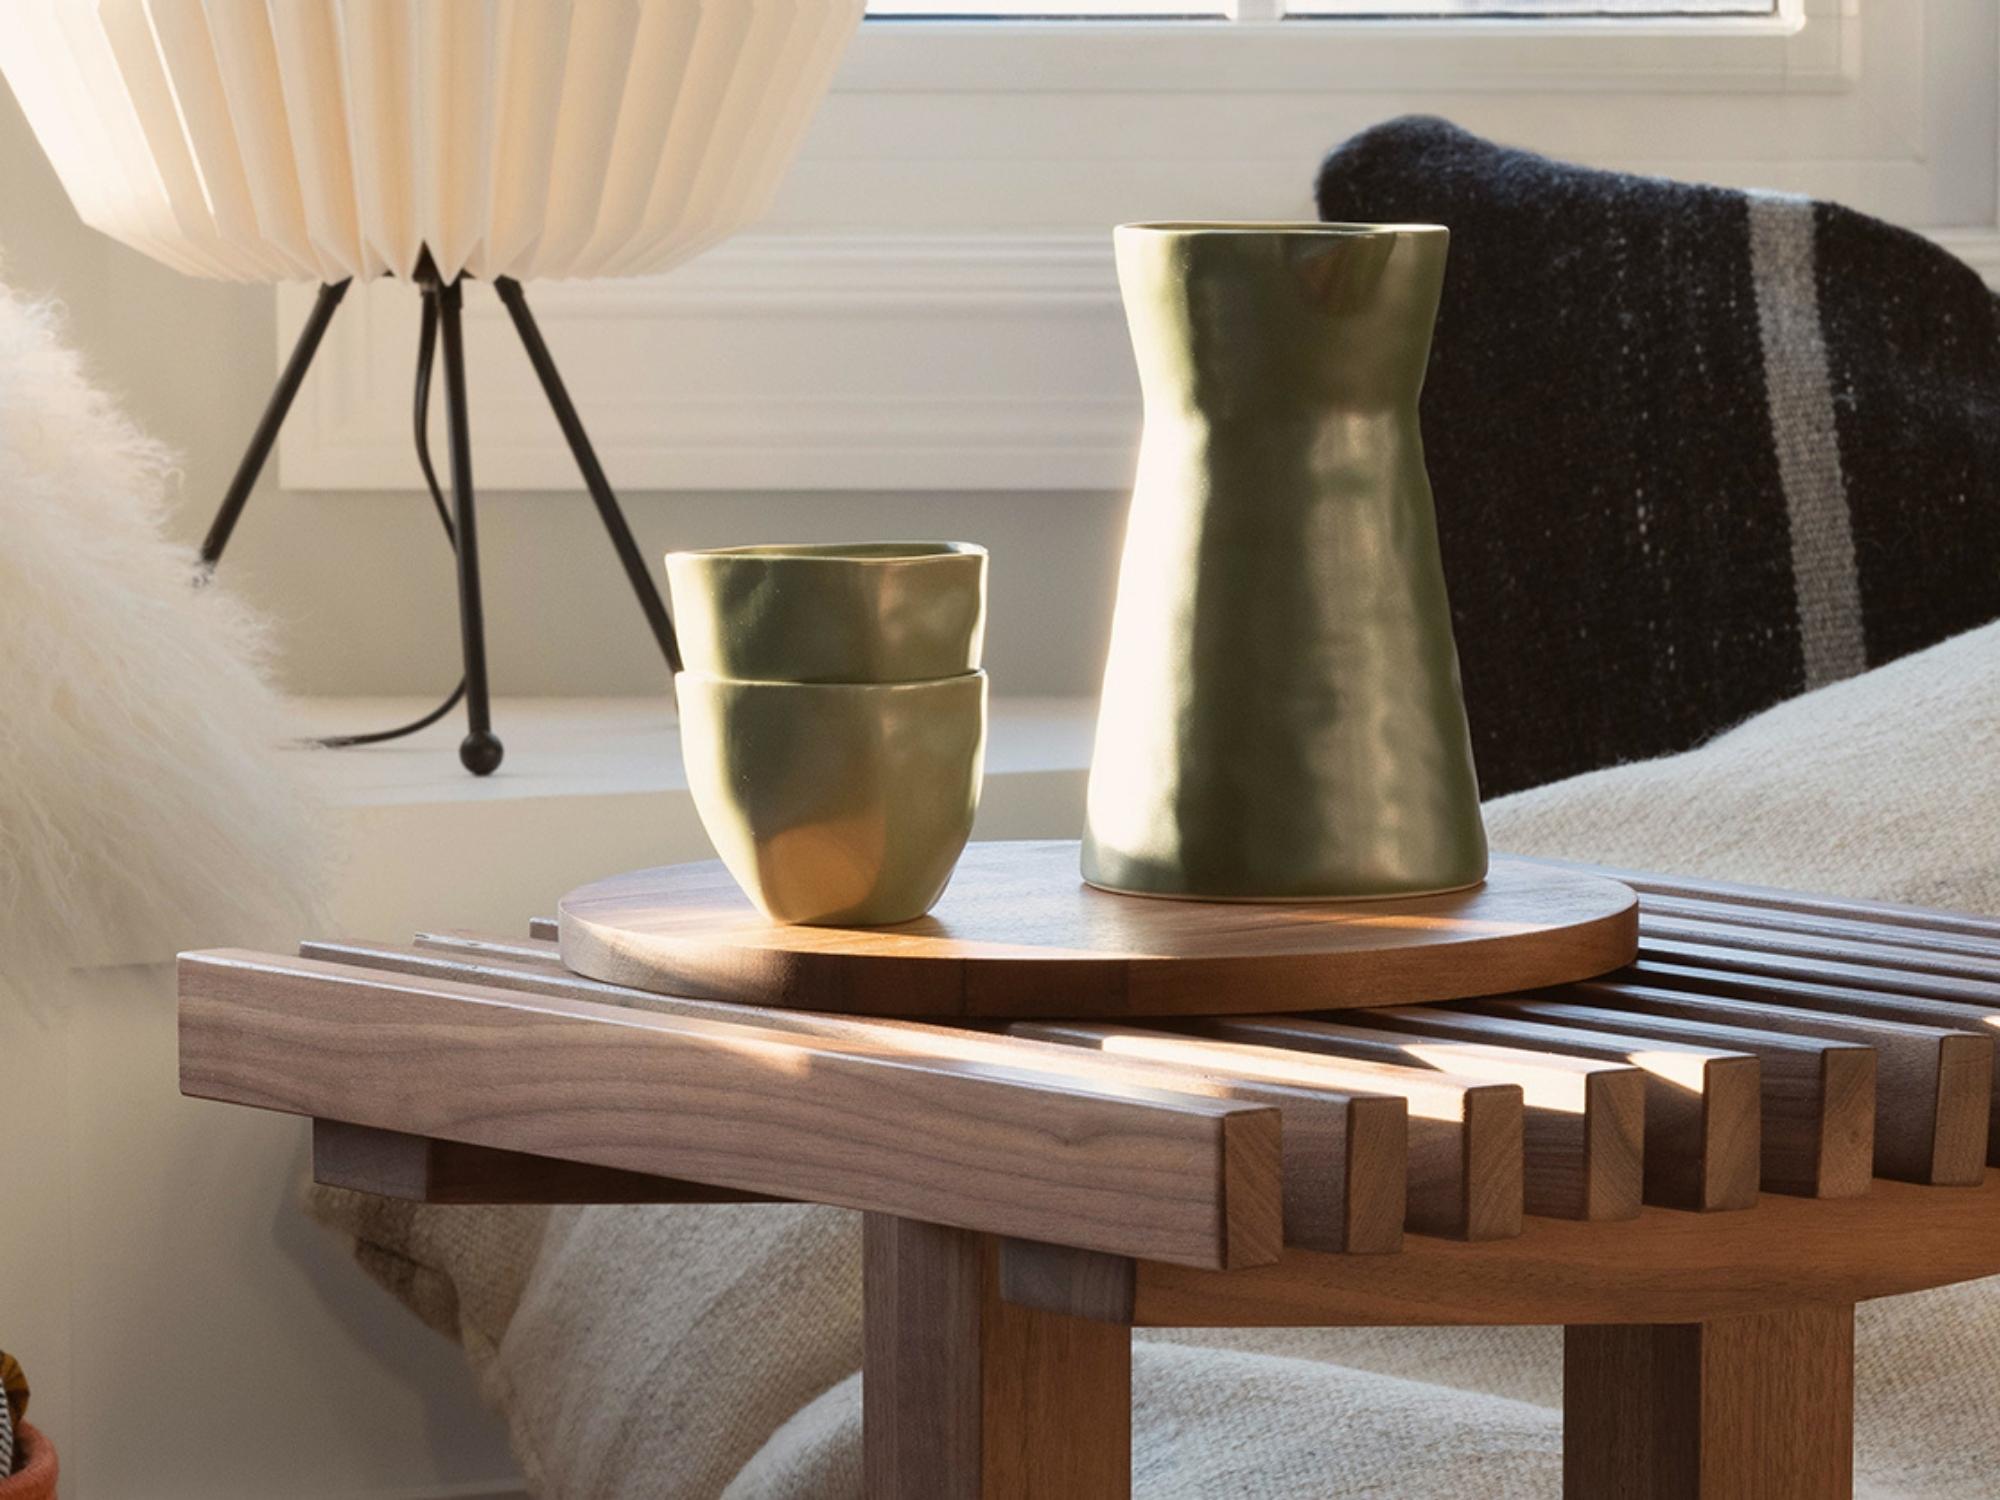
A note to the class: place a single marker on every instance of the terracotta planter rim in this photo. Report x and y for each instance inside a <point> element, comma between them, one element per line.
<point>36,1480</point>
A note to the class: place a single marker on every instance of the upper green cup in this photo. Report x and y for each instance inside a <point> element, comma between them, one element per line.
<point>831,612</point>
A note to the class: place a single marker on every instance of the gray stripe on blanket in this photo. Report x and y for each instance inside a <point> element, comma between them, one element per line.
<point>1800,397</point>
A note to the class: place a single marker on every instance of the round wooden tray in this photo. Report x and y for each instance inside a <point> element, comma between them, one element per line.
<point>1020,934</point>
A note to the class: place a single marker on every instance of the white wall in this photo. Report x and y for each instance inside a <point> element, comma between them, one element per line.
<point>188,1333</point>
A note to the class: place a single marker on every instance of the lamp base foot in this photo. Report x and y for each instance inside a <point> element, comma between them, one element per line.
<point>481,752</point>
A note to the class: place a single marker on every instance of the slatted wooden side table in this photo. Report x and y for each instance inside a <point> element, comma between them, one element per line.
<point>1695,1132</point>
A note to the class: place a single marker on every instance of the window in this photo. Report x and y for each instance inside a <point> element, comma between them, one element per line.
<point>931,305</point>
<point>1352,9</point>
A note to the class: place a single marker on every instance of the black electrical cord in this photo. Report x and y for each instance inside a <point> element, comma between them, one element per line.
<point>426,354</point>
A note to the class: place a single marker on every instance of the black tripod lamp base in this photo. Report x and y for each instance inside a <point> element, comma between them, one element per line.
<point>480,752</point>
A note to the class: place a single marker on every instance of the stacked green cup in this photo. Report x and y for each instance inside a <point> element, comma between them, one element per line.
<point>833,720</point>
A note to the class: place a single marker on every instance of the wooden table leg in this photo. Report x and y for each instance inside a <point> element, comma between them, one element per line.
<point>967,1397</point>
<point>1757,1407</point>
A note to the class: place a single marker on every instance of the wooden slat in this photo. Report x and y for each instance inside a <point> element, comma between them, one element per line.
<point>1584,1121</point>
<point>1465,1162</point>
<point>1345,1154</point>
<point>1774,898</point>
<point>1794,994</point>
<point>1662,1267</point>
<point>391,1164</point>
<point>529,950</point>
<point>532,967</point>
<point>965,1396</point>
<point>1703,1131</point>
<point>1933,1087</point>
<point>1818,1115</point>
<point>1819,948</point>
<point>1775,919</point>
<point>1759,1405</point>
<point>1135,1172</point>
<point>1868,976</point>
<point>544,929</point>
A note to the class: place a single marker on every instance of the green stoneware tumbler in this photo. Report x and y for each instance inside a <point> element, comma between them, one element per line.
<point>1282,717</point>
<point>840,612</point>
<point>841,804</point>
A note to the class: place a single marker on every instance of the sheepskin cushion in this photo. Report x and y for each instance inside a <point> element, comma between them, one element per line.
<point>146,805</point>
<point>142,807</point>
<point>714,1350</point>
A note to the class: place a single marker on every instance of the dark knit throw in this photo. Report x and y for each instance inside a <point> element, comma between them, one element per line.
<point>1695,450</point>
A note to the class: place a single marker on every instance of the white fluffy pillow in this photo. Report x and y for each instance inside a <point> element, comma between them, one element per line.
<point>142,806</point>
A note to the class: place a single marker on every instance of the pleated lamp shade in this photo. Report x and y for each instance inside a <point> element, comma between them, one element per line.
<point>277,140</point>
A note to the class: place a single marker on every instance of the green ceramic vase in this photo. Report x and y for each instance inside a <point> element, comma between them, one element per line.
<point>1282,717</point>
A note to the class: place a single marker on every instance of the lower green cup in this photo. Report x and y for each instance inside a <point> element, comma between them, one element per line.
<point>836,804</point>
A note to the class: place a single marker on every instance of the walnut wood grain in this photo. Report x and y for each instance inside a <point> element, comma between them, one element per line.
<point>1018,934</point>
<point>1829,970</point>
<point>1075,1283</point>
<point>1703,1132</point>
<point>965,1396</point>
<point>1818,1095</point>
<point>1583,1126</point>
<point>1829,999</point>
<point>1758,1405</point>
<point>1662,1267</point>
<point>391,1164</point>
<point>1130,1171</point>
<point>1344,1155</point>
<point>1910,955</point>
<point>1933,1087</point>
<point>1465,1134</point>
<point>1774,898</point>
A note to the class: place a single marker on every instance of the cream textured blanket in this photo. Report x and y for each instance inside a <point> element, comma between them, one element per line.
<point>697,1352</point>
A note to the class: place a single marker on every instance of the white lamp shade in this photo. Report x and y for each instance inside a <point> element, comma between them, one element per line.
<point>276,140</point>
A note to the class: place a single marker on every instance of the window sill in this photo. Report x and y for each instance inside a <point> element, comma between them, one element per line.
<point>607,749</point>
<point>590,787</point>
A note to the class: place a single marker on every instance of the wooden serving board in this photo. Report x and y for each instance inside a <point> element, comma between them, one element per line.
<point>1019,934</point>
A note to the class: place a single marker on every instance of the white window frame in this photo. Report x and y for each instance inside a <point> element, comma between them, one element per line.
<point>931,303</point>
<point>1804,44</point>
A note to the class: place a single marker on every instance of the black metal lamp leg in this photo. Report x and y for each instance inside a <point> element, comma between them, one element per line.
<point>480,751</point>
<point>238,494</point>
<point>593,473</point>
